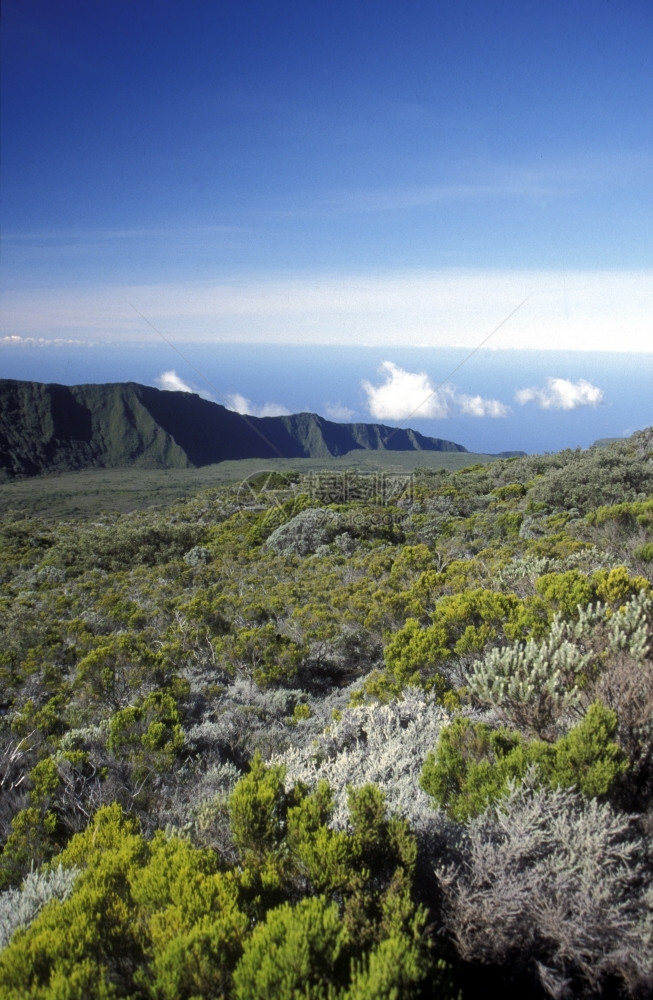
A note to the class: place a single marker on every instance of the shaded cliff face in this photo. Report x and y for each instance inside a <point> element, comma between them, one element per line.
<point>57,428</point>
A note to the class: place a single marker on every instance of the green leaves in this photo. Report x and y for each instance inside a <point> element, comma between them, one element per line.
<point>148,734</point>
<point>474,765</point>
<point>413,653</point>
<point>152,919</point>
<point>147,656</point>
<point>262,654</point>
<point>296,952</point>
<point>257,813</point>
<point>310,908</point>
<point>587,758</point>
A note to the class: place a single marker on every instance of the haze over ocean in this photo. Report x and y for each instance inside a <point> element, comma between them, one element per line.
<point>328,205</point>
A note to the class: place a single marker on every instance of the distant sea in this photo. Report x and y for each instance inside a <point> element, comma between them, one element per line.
<point>327,380</point>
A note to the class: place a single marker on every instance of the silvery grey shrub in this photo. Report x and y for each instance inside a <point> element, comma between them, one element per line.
<point>383,744</point>
<point>201,814</point>
<point>520,574</point>
<point>555,886</point>
<point>19,907</point>
<point>530,685</point>
<point>306,532</point>
<point>534,685</point>
<point>197,556</point>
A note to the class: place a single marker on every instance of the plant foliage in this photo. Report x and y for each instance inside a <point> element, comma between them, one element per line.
<point>310,735</point>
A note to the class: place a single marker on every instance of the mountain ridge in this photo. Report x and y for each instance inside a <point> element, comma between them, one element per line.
<point>49,427</point>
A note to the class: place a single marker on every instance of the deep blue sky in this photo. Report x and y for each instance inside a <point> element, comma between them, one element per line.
<point>365,173</point>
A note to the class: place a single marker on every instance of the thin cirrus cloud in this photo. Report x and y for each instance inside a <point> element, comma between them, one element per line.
<point>561,394</point>
<point>411,395</point>
<point>557,311</point>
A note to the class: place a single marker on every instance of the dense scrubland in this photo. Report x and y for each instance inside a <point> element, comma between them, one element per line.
<point>335,736</point>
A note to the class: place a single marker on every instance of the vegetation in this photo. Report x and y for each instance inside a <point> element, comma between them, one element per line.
<point>334,734</point>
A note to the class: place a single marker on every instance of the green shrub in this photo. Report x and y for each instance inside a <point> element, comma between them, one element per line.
<point>474,765</point>
<point>257,813</point>
<point>587,758</point>
<point>616,586</point>
<point>145,918</point>
<point>297,952</point>
<point>262,654</point>
<point>566,592</point>
<point>120,666</point>
<point>645,552</point>
<point>412,655</point>
<point>462,623</point>
<point>33,839</point>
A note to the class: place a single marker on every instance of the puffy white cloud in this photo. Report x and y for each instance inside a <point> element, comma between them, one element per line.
<point>240,404</point>
<point>404,395</point>
<point>412,396</point>
<point>336,411</point>
<point>477,406</point>
<point>171,382</point>
<point>272,410</point>
<point>561,394</point>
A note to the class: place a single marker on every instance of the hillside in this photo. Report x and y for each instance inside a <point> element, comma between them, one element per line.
<point>315,739</point>
<point>55,428</point>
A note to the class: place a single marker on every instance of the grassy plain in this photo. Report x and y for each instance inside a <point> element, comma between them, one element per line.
<point>83,494</point>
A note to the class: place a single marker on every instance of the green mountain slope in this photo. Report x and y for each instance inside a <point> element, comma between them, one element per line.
<point>57,428</point>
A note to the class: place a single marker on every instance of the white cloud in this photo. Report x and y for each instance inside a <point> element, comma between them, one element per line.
<point>171,382</point>
<point>234,401</point>
<point>272,410</point>
<point>13,340</point>
<point>240,404</point>
<point>562,394</point>
<point>404,395</point>
<point>412,396</point>
<point>477,406</point>
<point>336,411</point>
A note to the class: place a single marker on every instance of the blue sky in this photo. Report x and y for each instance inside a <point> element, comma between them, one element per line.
<point>371,173</point>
